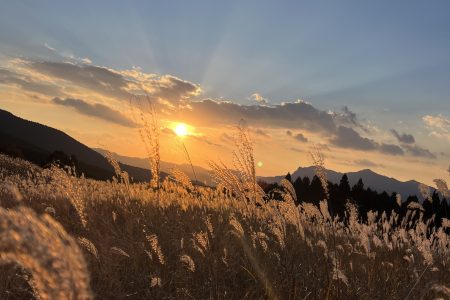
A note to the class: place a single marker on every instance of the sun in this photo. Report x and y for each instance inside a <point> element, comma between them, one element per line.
<point>181,130</point>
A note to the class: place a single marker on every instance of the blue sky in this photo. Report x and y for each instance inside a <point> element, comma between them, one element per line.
<point>317,50</point>
<point>388,61</point>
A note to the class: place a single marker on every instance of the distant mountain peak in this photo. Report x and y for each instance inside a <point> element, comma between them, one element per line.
<point>370,178</point>
<point>369,171</point>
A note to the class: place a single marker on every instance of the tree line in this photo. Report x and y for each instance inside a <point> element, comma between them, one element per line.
<point>433,208</point>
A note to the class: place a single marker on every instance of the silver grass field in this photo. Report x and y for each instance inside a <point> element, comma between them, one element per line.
<point>66,237</point>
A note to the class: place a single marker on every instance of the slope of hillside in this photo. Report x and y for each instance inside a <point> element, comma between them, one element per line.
<point>48,139</point>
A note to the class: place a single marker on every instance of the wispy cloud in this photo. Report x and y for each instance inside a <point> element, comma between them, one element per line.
<point>403,138</point>
<point>367,163</point>
<point>348,118</point>
<point>418,151</point>
<point>298,136</point>
<point>28,84</point>
<point>204,139</point>
<point>49,47</point>
<point>262,133</point>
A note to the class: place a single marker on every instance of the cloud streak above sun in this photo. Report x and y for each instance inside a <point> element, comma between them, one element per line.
<point>96,110</point>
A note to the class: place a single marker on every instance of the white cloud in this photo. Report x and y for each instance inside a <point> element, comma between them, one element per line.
<point>258,98</point>
<point>439,126</point>
<point>439,122</point>
<point>49,47</point>
<point>86,60</point>
<point>440,135</point>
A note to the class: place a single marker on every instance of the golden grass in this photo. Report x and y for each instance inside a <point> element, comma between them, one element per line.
<point>173,240</point>
<point>204,244</point>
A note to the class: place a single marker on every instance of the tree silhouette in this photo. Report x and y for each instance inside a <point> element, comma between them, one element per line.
<point>317,193</point>
<point>288,177</point>
<point>344,186</point>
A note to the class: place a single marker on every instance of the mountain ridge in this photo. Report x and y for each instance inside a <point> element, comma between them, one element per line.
<point>370,178</point>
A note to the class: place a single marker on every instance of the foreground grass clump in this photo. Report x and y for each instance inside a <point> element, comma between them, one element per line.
<point>183,242</point>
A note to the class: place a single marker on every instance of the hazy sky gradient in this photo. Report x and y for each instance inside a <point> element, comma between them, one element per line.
<point>388,62</point>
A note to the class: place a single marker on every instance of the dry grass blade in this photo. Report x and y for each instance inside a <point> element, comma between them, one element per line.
<point>156,248</point>
<point>149,133</point>
<point>181,177</point>
<point>242,180</point>
<point>42,247</point>
<point>227,178</point>
<point>424,191</point>
<point>442,187</point>
<point>319,163</point>
<point>118,251</point>
<point>289,191</point>
<point>88,245</point>
<point>415,206</point>
<point>188,158</point>
<point>187,262</point>
<point>244,160</point>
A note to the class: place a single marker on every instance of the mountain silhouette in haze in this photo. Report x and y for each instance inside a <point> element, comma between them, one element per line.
<point>371,180</point>
<point>202,175</point>
<point>36,142</point>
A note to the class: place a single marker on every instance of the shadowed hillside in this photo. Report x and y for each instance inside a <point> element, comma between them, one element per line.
<point>36,142</point>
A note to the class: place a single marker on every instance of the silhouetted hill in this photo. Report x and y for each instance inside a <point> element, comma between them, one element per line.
<point>371,179</point>
<point>36,142</point>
